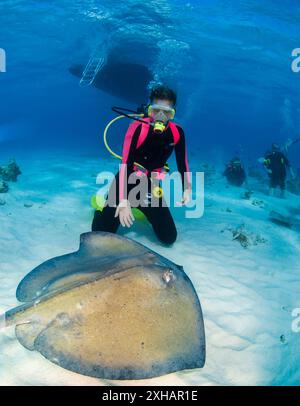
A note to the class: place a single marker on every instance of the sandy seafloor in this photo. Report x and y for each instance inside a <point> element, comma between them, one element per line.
<point>247,295</point>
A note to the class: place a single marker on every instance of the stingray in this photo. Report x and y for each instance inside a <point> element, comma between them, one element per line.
<point>114,309</point>
<point>128,81</point>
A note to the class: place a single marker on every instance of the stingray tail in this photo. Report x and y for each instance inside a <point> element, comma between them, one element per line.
<point>17,315</point>
<point>7,320</point>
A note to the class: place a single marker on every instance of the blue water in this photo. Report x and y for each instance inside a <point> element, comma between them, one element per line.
<point>229,62</point>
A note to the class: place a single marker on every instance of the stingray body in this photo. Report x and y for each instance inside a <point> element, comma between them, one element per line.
<point>128,81</point>
<point>113,309</point>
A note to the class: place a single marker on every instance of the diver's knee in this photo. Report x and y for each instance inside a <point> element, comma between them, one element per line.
<point>169,238</point>
<point>96,221</point>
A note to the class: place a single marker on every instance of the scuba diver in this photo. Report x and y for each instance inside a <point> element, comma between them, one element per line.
<point>276,163</point>
<point>235,173</point>
<point>147,145</point>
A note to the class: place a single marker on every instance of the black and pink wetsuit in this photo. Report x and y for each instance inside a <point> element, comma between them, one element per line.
<point>151,150</point>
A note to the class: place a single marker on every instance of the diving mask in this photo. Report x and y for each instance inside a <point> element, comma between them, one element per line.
<point>161,115</point>
<point>155,109</point>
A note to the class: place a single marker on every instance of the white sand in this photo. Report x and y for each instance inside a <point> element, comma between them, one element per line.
<point>247,295</point>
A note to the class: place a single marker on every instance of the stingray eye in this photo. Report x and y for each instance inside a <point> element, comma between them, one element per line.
<point>168,276</point>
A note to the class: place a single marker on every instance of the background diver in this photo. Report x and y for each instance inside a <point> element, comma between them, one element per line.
<point>235,172</point>
<point>276,164</point>
<point>149,145</point>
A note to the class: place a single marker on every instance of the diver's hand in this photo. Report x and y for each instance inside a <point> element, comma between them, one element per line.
<point>186,198</point>
<point>125,213</point>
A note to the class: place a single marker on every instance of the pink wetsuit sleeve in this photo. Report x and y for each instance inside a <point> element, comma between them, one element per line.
<point>129,147</point>
<point>182,161</point>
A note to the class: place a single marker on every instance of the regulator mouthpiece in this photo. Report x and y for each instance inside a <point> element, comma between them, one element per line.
<point>159,127</point>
